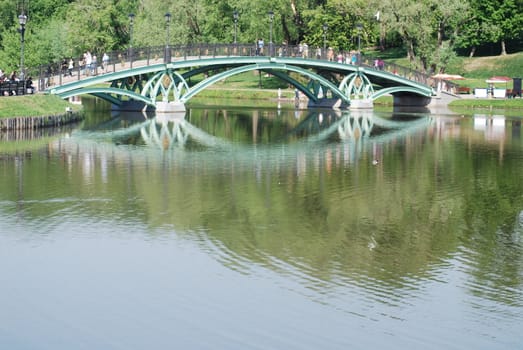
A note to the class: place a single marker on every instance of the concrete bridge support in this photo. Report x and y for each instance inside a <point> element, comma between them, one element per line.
<point>411,100</point>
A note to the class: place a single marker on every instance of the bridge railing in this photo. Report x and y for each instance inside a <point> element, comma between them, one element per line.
<point>58,73</point>
<point>396,69</point>
<point>409,73</point>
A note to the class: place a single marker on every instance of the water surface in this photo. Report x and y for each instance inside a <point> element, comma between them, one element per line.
<point>264,229</point>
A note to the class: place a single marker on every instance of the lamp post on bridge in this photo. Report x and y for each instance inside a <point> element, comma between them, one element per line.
<point>271,19</point>
<point>131,23</point>
<point>359,27</point>
<point>22,20</point>
<point>235,17</point>
<point>325,27</point>
<point>167,54</point>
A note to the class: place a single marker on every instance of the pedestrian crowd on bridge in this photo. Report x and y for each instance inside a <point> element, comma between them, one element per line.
<point>302,50</point>
<point>88,65</point>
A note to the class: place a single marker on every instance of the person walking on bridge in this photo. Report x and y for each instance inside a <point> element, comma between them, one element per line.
<point>94,65</point>
<point>259,47</point>
<point>105,62</point>
<point>70,67</point>
<point>88,61</point>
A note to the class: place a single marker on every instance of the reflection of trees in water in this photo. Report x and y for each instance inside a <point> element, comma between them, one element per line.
<point>24,141</point>
<point>316,211</point>
<point>35,134</point>
<point>493,233</point>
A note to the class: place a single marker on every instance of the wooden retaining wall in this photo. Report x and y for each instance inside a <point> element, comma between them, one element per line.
<point>22,123</point>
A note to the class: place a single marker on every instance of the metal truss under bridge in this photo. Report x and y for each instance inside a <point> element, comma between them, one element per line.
<point>324,83</point>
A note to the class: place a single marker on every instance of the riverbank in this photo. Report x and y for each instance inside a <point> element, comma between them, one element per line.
<point>489,103</point>
<point>36,111</point>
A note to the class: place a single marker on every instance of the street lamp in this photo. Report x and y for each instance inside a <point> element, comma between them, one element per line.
<point>131,22</point>
<point>167,55</point>
<point>235,16</point>
<point>271,19</point>
<point>359,27</point>
<point>325,27</point>
<point>22,19</point>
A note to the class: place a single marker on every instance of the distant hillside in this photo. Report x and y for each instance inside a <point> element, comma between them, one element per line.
<point>474,68</point>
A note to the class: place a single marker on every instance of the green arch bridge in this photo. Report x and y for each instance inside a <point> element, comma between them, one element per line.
<point>137,81</point>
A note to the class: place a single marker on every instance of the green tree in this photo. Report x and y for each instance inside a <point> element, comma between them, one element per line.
<point>41,11</point>
<point>507,19</point>
<point>151,25</point>
<point>97,26</point>
<point>492,21</point>
<point>343,19</point>
<point>474,33</point>
<point>428,29</point>
<point>8,15</point>
<point>10,55</point>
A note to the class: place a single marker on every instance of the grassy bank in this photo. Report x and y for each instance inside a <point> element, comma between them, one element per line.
<point>513,103</point>
<point>243,93</point>
<point>485,67</point>
<point>475,69</point>
<point>33,105</point>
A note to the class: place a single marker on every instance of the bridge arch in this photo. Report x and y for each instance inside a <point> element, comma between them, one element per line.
<point>395,90</point>
<point>107,94</point>
<point>269,67</point>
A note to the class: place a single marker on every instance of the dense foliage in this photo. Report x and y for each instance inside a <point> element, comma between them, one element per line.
<point>430,31</point>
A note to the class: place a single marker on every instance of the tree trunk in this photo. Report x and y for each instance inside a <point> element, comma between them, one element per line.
<point>298,21</point>
<point>472,51</point>
<point>441,30</point>
<point>382,38</point>
<point>286,33</point>
<point>503,48</point>
<point>423,64</point>
<point>410,51</point>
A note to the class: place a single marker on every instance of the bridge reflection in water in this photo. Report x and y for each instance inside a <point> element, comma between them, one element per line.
<point>251,138</point>
<point>174,130</point>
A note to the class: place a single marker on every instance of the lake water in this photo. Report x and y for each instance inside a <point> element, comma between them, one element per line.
<point>263,229</point>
